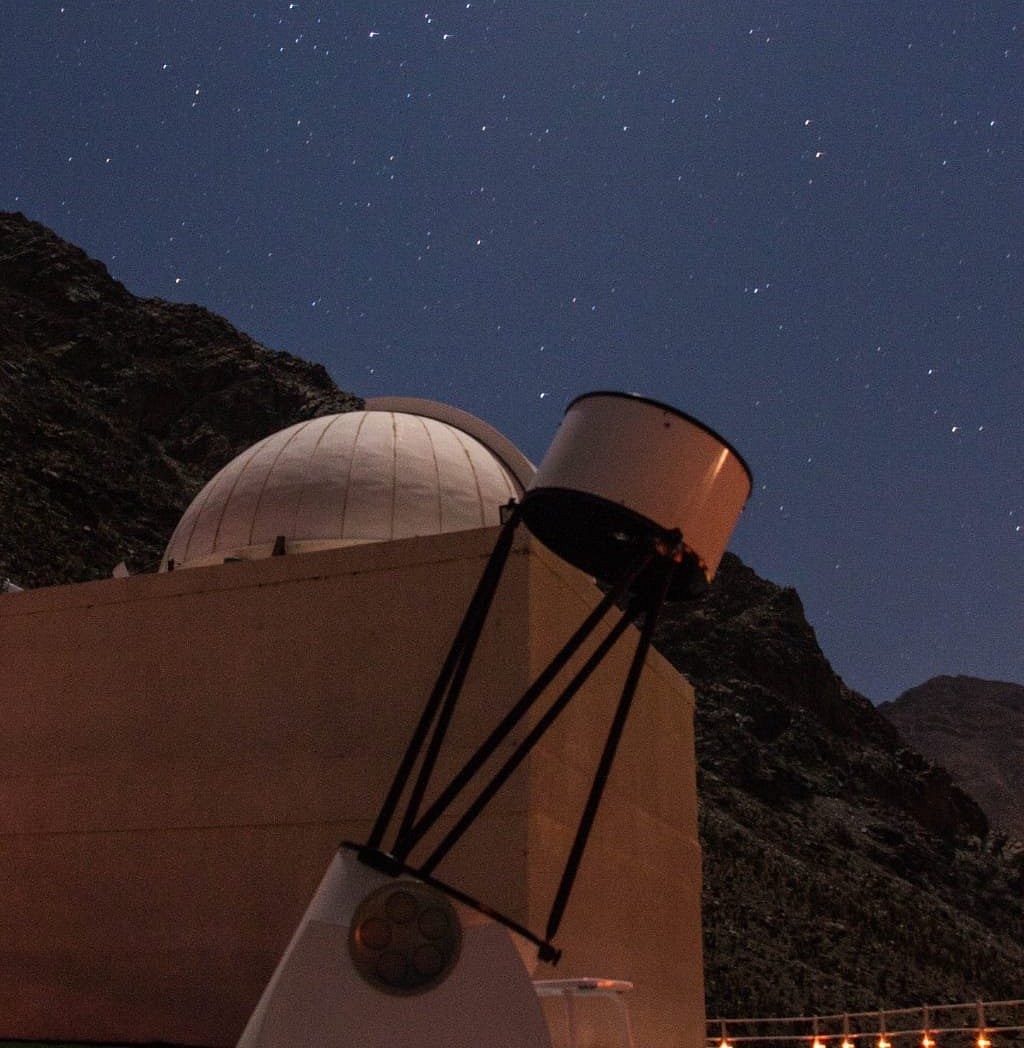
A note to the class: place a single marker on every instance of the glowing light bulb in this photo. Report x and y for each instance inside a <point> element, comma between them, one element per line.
<point>982,1041</point>
<point>883,1042</point>
<point>927,1041</point>
<point>847,1043</point>
<point>817,1042</point>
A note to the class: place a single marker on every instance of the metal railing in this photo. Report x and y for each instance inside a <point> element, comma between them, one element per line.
<point>976,1024</point>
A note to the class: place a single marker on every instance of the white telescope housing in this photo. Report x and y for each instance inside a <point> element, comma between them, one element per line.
<point>623,469</point>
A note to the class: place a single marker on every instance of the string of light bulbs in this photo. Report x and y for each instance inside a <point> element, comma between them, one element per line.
<point>876,1029</point>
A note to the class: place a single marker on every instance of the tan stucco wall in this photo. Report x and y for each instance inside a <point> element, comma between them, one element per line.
<point>183,752</point>
<point>639,887</point>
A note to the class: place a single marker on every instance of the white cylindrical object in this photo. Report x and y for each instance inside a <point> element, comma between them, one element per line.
<point>622,469</point>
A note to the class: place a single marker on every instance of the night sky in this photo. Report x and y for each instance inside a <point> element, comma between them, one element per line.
<point>800,221</point>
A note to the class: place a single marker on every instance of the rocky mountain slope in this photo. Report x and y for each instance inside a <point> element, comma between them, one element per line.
<point>975,728</point>
<point>843,870</point>
<point>114,410</point>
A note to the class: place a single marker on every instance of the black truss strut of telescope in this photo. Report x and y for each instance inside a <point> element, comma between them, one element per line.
<point>655,560</point>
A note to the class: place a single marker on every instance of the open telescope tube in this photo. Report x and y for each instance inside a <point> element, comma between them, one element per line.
<point>624,470</point>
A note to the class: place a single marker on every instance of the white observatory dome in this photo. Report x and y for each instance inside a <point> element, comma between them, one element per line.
<point>399,468</point>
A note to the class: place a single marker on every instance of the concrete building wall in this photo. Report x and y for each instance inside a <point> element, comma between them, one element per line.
<point>183,752</point>
<point>635,912</point>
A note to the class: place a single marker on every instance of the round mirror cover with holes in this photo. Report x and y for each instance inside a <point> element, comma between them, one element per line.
<point>405,938</point>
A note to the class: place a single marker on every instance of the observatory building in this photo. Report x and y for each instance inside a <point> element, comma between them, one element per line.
<point>184,751</point>
<point>390,472</point>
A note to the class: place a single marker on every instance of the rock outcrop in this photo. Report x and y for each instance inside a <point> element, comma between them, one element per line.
<point>114,410</point>
<point>842,869</point>
<point>975,728</point>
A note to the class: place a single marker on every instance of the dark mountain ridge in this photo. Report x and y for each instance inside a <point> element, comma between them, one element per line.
<point>843,870</point>
<point>114,410</point>
<point>976,729</point>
